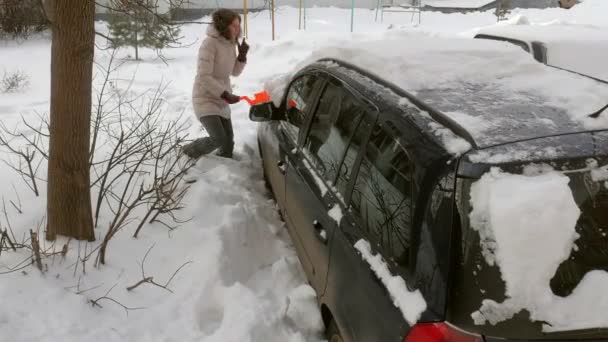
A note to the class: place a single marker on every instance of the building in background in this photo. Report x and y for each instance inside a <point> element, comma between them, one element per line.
<point>196,8</point>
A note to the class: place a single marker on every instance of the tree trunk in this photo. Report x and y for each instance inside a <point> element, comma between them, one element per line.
<point>69,196</point>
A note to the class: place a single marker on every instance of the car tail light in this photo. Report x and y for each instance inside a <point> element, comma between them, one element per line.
<point>439,332</point>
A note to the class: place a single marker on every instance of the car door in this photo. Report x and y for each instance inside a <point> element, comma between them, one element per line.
<point>278,137</point>
<point>313,204</point>
<point>380,212</point>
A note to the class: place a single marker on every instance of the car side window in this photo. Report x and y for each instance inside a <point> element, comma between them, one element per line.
<point>333,125</point>
<point>359,132</point>
<point>298,100</point>
<point>540,52</point>
<point>433,252</point>
<point>383,196</point>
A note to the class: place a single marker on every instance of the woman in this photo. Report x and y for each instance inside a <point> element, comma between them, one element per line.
<point>212,94</point>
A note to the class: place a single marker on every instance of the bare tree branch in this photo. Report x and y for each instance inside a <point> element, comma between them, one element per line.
<point>95,303</point>
<point>150,280</point>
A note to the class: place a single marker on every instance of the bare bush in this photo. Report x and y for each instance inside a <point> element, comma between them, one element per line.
<point>138,163</point>
<point>13,82</point>
<point>26,150</point>
<point>22,18</point>
<point>144,168</point>
<point>137,170</point>
<point>30,242</point>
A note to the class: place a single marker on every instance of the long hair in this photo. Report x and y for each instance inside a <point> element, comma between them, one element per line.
<point>222,18</point>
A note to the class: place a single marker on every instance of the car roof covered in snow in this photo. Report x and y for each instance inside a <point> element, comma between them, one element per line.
<point>547,32</point>
<point>579,48</point>
<point>493,90</point>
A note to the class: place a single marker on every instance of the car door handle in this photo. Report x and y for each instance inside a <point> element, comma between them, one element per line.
<point>282,167</point>
<point>320,232</point>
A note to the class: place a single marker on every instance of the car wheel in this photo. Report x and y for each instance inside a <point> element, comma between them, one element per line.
<point>333,333</point>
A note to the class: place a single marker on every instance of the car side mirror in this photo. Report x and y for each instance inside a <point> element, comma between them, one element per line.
<point>264,112</point>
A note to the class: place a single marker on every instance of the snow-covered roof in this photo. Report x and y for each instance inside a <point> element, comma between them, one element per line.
<point>457,3</point>
<point>495,90</point>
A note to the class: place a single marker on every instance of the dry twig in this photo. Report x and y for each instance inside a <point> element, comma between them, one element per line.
<point>150,280</point>
<point>95,302</point>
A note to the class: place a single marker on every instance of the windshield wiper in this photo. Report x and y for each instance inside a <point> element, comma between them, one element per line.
<point>598,113</point>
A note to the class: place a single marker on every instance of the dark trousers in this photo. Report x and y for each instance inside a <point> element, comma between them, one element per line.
<point>221,137</point>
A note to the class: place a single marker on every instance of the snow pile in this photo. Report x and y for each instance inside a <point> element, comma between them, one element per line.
<point>515,155</point>
<point>527,227</point>
<point>245,282</point>
<point>336,213</point>
<point>453,143</point>
<point>599,174</point>
<point>516,20</point>
<point>411,304</point>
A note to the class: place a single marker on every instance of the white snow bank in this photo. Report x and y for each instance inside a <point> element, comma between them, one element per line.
<point>527,227</point>
<point>411,303</point>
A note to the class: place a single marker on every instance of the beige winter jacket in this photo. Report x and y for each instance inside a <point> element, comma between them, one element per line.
<point>216,63</point>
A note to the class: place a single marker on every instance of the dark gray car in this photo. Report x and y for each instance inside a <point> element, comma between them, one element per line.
<point>348,160</point>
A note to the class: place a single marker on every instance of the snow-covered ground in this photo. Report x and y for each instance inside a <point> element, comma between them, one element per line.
<point>244,282</point>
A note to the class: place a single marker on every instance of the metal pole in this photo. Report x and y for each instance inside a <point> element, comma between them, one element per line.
<point>352,16</point>
<point>272,9</point>
<point>300,17</point>
<point>245,15</point>
<point>304,14</point>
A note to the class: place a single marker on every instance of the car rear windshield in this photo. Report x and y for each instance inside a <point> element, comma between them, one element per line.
<point>477,280</point>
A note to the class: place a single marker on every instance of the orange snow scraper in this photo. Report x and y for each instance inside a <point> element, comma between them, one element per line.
<point>258,98</point>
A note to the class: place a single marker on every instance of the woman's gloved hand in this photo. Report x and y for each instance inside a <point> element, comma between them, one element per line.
<point>230,98</point>
<point>243,50</point>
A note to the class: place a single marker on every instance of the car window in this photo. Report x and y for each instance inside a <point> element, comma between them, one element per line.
<point>433,238</point>
<point>299,98</point>
<point>383,196</point>
<point>479,281</point>
<point>359,132</point>
<point>333,125</point>
<point>540,52</point>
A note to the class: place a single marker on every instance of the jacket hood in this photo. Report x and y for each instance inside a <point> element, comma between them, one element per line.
<point>214,33</point>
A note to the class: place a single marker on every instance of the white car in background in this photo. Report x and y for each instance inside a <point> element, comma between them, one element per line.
<point>576,48</point>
